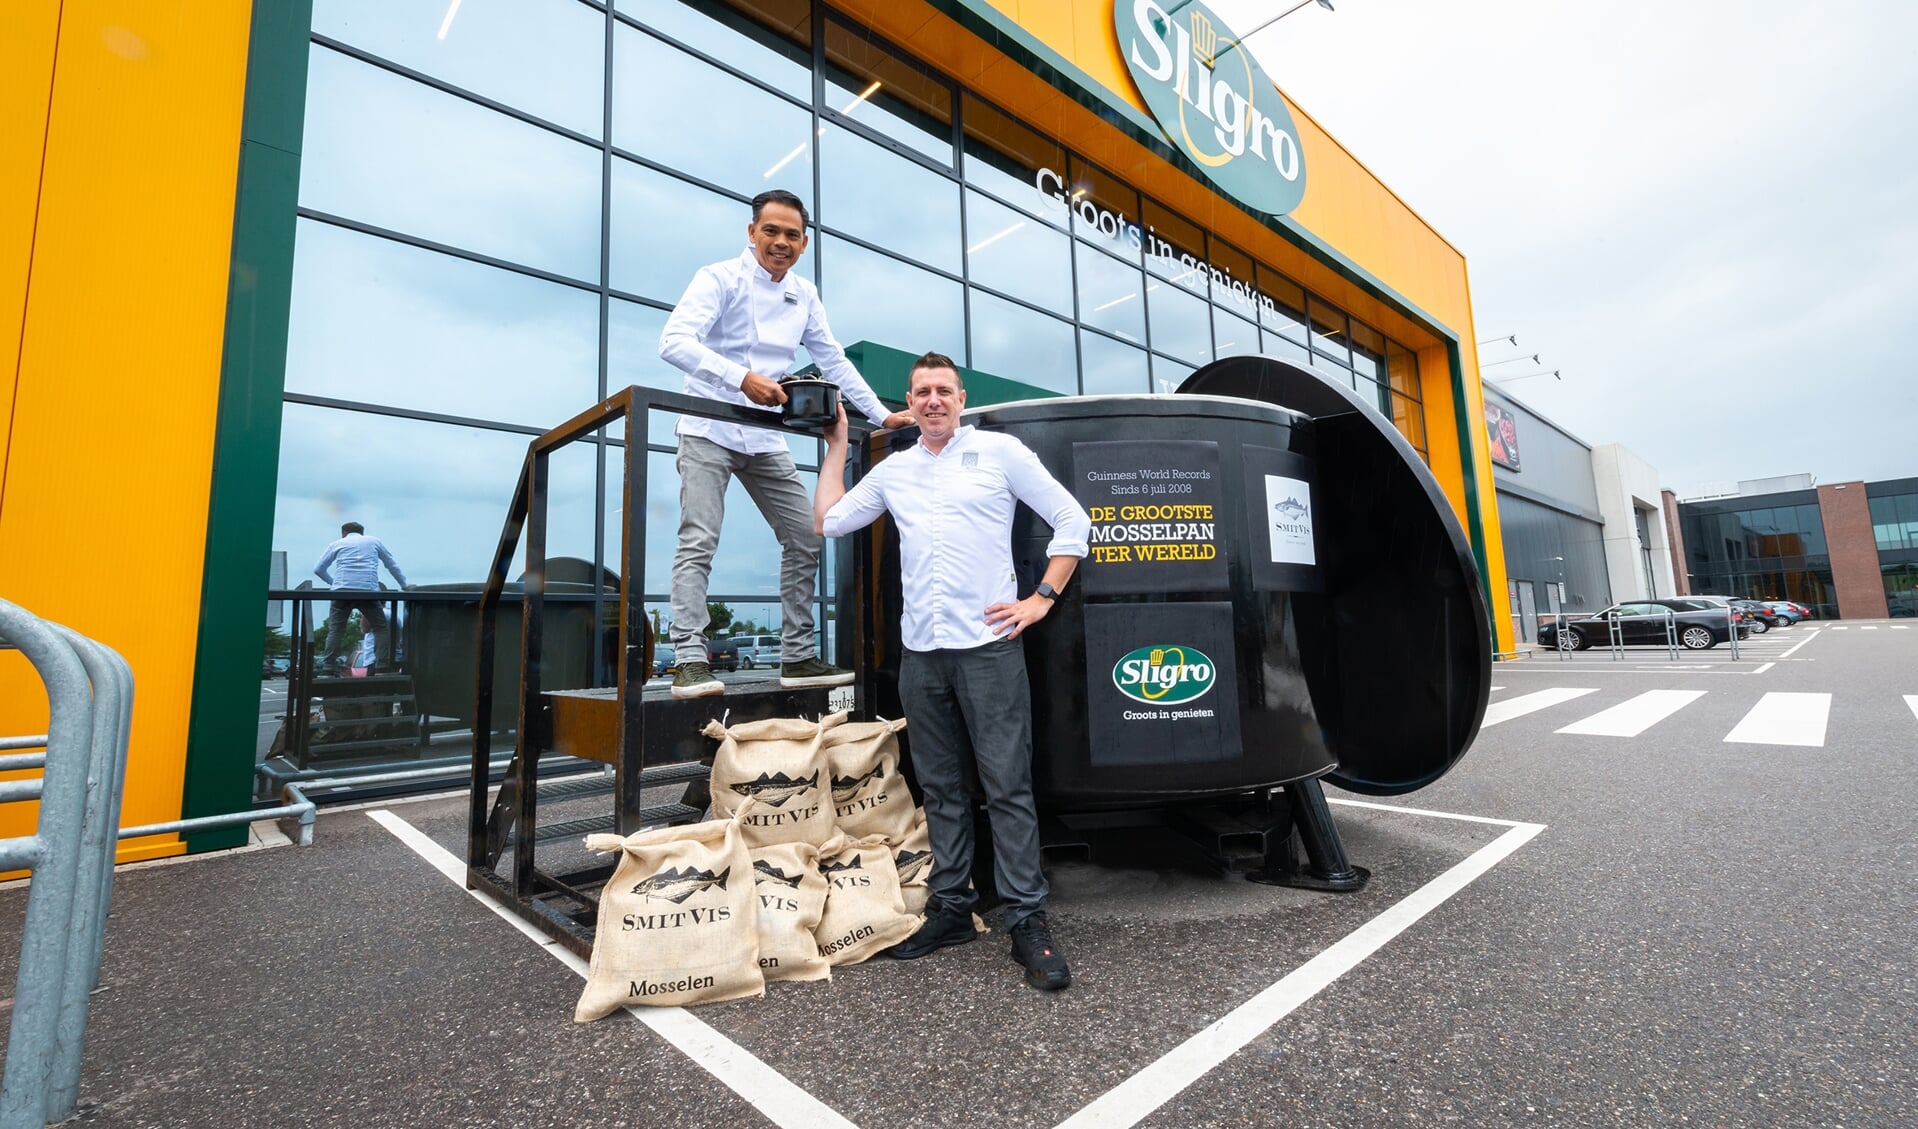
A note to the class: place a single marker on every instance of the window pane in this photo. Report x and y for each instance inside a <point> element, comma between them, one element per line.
<point>632,353</point>
<point>771,40</point>
<point>1233,286</point>
<point>1286,348</point>
<point>546,57</point>
<point>1237,337</point>
<point>385,323</point>
<point>1368,351</point>
<point>884,198</point>
<point>774,153</point>
<point>873,297</point>
<point>1111,368</point>
<point>1409,418</point>
<point>1175,248</point>
<point>887,93</point>
<point>1402,369</point>
<point>1014,163</point>
<point>664,229</point>
<point>1012,252</point>
<point>1109,294</point>
<point>1328,331</point>
<point>1167,375</point>
<point>436,494</point>
<point>1281,304</point>
<point>747,561</point>
<point>1181,324</point>
<point>1019,344</point>
<point>388,151</point>
<point>1105,212</point>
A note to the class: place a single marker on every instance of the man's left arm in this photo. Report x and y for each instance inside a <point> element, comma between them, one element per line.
<point>1071,526</point>
<point>826,352</point>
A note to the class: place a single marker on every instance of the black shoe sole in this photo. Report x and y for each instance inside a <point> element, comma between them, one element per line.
<point>944,943</point>
<point>1039,981</point>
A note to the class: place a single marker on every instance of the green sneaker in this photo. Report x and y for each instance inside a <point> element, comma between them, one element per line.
<point>811,672</point>
<point>695,680</point>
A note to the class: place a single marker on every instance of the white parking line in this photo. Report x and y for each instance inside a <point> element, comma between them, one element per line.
<point>1498,688</point>
<point>1839,627</point>
<point>1635,715</point>
<point>771,1093</point>
<point>1867,627</point>
<point>1537,700</point>
<point>1782,718</point>
<point>1136,1098</point>
<point>1901,627</point>
<point>1801,643</point>
<point>1912,701</point>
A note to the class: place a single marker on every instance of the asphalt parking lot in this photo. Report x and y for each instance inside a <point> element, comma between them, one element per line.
<point>1655,893</point>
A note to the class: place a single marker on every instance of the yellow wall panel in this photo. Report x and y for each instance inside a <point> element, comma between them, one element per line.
<point>103,519</point>
<point>26,81</point>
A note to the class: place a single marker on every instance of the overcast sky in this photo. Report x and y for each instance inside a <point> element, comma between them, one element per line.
<point>1704,212</point>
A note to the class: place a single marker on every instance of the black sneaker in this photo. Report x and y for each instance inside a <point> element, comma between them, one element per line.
<point>941,928</point>
<point>811,672</point>
<point>695,680</point>
<point>1032,946</point>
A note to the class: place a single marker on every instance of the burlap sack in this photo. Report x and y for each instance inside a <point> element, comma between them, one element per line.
<point>869,797</point>
<point>677,921</point>
<point>781,762</point>
<point>792,897</point>
<point>863,912</point>
<point>912,858</point>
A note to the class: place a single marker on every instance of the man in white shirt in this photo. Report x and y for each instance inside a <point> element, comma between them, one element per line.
<point>962,678</point>
<point>734,333</point>
<point>357,558</point>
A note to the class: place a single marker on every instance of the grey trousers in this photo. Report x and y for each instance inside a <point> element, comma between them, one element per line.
<point>975,704</point>
<point>772,482</point>
<point>372,618</point>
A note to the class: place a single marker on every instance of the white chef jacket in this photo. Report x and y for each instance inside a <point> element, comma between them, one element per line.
<point>954,513</point>
<point>734,319</point>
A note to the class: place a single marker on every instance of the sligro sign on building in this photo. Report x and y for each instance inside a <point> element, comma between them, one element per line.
<point>1213,101</point>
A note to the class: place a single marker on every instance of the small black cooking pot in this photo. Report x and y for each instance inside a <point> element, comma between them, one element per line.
<point>810,401</point>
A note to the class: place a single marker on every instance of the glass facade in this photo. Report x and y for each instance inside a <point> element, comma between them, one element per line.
<point>1772,553</point>
<point>499,206</point>
<point>1894,526</point>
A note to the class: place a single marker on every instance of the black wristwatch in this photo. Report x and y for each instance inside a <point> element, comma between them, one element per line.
<point>1046,590</point>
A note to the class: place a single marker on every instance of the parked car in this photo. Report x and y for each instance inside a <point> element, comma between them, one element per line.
<point>1763,618</point>
<point>1791,612</point>
<point>1699,623</point>
<point>721,654</point>
<point>724,654</point>
<point>758,650</point>
<point>273,666</point>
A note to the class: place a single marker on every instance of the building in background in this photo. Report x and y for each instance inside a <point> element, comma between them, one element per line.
<point>1849,550</point>
<point>378,244</point>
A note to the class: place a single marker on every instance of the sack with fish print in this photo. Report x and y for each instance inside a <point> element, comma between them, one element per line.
<point>792,897</point>
<point>781,762</point>
<point>863,912</point>
<point>677,921</point>
<point>912,858</point>
<point>869,797</point>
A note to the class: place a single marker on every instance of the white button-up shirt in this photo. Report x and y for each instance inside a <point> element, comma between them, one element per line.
<point>954,513</point>
<point>734,319</point>
<point>358,558</point>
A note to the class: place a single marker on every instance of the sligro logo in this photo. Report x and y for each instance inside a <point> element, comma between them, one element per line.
<point>1158,675</point>
<point>1213,101</point>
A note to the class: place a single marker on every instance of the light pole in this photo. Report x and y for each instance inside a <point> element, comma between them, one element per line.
<point>1326,4</point>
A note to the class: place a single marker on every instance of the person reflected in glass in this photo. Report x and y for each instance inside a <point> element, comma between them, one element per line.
<point>735,331</point>
<point>962,675</point>
<point>356,559</point>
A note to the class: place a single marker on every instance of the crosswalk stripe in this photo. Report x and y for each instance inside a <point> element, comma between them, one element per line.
<point>1531,703</point>
<point>1912,701</point>
<point>1634,716</point>
<point>1782,718</point>
<point>1901,627</point>
<point>1839,627</point>
<point>1867,627</point>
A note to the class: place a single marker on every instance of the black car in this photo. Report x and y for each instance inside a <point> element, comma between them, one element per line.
<point>1699,625</point>
<point>720,655</point>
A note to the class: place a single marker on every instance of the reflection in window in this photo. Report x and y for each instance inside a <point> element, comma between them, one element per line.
<point>1233,287</point>
<point>1110,367</point>
<point>1011,341</point>
<point>1236,336</point>
<point>747,562</point>
<point>775,152</point>
<point>1402,369</point>
<point>1110,294</point>
<point>1175,248</point>
<point>1012,252</point>
<point>1105,213</point>
<point>388,151</point>
<point>1285,348</point>
<point>664,229</point>
<point>1328,332</point>
<point>1409,417</point>
<point>1283,311</point>
<point>1368,351</point>
<point>1180,323</point>
<point>382,322</point>
<point>770,40</point>
<point>888,93</point>
<point>1009,160</point>
<point>1167,374</point>
<point>435,493</point>
<point>632,353</point>
<point>874,297</point>
<point>887,200</point>
<point>546,57</point>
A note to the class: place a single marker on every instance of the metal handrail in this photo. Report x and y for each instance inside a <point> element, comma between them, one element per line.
<point>90,710</point>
